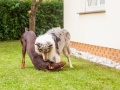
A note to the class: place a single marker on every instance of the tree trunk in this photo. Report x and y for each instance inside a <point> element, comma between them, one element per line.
<point>32,18</point>
<point>32,12</point>
<point>32,23</point>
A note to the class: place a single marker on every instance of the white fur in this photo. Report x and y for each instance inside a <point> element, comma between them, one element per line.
<point>60,38</point>
<point>58,58</point>
<point>43,39</point>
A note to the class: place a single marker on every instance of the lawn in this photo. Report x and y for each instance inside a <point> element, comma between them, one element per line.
<point>84,76</point>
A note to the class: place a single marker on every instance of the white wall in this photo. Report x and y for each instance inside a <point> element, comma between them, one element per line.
<point>71,18</point>
<point>101,29</point>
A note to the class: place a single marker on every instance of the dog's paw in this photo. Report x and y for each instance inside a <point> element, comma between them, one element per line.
<point>71,66</point>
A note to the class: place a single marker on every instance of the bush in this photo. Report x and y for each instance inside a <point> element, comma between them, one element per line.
<point>50,14</point>
<point>14,17</point>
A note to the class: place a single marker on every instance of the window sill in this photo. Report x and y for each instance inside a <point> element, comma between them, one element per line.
<point>91,12</point>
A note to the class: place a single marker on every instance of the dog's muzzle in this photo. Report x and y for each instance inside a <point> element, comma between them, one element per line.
<point>45,56</point>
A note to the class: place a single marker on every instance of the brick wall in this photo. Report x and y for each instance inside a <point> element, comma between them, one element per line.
<point>106,52</point>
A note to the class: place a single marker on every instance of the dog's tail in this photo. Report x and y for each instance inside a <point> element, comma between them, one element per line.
<point>26,29</point>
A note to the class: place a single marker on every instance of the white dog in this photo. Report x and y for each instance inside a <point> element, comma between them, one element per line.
<point>52,43</point>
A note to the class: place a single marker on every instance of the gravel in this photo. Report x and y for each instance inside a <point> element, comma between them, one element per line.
<point>94,58</point>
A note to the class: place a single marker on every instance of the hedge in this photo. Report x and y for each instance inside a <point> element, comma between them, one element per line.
<point>14,17</point>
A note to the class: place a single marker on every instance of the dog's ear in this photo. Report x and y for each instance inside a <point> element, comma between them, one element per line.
<point>38,44</point>
<point>49,44</point>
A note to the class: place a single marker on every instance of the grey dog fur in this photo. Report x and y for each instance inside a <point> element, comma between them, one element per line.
<point>61,39</point>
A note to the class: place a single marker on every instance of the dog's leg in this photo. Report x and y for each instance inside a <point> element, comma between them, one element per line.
<point>70,62</point>
<point>66,52</point>
<point>23,42</point>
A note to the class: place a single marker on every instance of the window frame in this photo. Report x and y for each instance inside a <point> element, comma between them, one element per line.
<point>98,7</point>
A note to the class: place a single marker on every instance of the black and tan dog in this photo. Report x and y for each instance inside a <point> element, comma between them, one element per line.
<point>27,40</point>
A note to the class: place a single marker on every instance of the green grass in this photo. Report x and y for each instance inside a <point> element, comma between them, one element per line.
<point>84,76</point>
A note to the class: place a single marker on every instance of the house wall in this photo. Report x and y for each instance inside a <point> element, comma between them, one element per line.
<point>96,29</point>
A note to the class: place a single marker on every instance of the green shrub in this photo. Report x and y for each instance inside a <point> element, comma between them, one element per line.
<point>50,14</point>
<point>14,17</point>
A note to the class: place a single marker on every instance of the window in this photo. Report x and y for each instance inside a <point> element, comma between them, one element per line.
<point>95,5</point>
